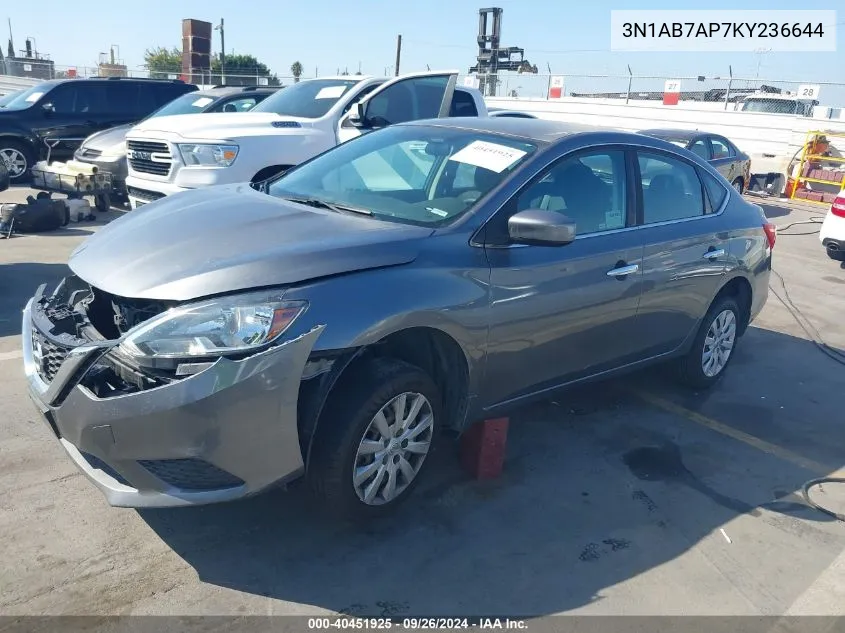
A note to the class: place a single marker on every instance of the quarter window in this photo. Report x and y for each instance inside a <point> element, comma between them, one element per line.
<point>716,191</point>
<point>588,188</point>
<point>671,189</point>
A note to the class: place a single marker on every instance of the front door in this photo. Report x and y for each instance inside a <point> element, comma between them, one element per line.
<point>411,97</point>
<point>684,254</point>
<point>558,313</point>
<point>67,115</point>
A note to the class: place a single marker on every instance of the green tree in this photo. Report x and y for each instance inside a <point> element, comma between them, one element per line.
<point>162,61</point>
<point>242,70</point>
<point>296,70</point>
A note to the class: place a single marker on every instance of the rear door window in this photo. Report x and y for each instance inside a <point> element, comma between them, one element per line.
<point>123,97</point>
<point>671,188</point>
<point>699,148</point>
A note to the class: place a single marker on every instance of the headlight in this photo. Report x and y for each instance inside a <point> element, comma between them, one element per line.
<point>208,155</point>
<point>115,151</point>
<point>221,326</point>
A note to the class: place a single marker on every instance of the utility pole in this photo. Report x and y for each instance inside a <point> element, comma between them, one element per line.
<point>219,27</point>
<point>398,53</point>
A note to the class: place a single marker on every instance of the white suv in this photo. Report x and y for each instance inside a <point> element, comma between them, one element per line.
<point>171,154</point>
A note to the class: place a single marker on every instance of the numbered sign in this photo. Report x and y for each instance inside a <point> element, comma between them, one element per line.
<point>808,91</point>
<point>263,81</point>
<point>671,92</point>
<point>556,87</point>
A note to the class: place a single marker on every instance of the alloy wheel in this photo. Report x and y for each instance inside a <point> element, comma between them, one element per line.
<point>393,449</point>
<point>15,161</point>
<point>719,343</point>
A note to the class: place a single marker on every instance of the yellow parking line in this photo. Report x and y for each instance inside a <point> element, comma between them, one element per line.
<point>751,440</point>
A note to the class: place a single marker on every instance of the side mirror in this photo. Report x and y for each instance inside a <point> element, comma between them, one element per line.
<point>541,227</point>
<point>358,116</point>
<point>49,109</point>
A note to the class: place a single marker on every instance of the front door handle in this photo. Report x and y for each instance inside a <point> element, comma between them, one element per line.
<point>719,252</point>
<point>623,271</point>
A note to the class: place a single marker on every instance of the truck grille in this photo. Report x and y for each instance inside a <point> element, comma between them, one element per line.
<point>48,356</point>
<point>149,157</point>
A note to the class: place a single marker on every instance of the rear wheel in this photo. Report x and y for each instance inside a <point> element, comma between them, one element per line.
<point>737,184</point>
<point>836,254</point>
<point>374,438</point>
<point>714,345</point>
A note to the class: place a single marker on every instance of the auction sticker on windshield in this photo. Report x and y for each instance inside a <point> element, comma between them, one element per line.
<point>487,155</point>
<point>202,101</point>
<point>35,96</point>
<point>331,92</point>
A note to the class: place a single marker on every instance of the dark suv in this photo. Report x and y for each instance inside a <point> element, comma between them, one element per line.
<point>62,113</point>
<point>107,149</point>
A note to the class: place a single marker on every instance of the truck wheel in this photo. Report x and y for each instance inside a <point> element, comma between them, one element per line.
<point>737,184</point>
<point>714,345</point>
<point>373,439</point>
<point>19,159</point>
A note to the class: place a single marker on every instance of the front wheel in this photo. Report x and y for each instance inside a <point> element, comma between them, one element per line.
<point>714,345</point>
<point>19,159</point>
<point>374,438</point>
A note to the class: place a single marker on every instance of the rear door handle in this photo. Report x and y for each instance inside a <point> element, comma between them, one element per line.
<point>623,271</point>
<point>719,252</point>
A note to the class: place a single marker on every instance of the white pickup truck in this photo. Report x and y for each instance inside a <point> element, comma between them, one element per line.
<point>174,153</point>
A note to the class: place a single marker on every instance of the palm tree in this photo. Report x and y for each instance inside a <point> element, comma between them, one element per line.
<point>296,70</point>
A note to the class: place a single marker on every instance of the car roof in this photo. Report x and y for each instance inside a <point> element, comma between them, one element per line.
<point>539,130</point>
<point>49,83</point>
<point>666,133</point>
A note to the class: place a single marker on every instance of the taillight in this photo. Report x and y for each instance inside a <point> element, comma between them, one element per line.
<point>771,233</point>
<point>838,206</point>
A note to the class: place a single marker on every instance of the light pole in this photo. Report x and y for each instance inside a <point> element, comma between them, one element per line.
<point>219,27</point>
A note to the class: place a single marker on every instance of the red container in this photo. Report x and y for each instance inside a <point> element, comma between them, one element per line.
<point>483,448</point>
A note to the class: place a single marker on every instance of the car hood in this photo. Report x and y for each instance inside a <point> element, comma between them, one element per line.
<point>107,139</point>
<point>227,238</point>
<point>221,126</point>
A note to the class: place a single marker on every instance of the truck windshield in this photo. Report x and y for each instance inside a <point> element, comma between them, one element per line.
<point>309,99</point>
<point>411,174</point>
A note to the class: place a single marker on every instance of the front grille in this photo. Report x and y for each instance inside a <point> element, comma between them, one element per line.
<point>191,474</point>
<point>48,356</point>
<point>140,154</point>
<point>144,194</point>
<point>99,464</point>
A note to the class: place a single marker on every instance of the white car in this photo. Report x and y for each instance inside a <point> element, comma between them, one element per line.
<point>832,234</point>
<point>170,154</point>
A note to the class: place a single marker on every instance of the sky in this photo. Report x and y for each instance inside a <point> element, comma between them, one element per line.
<point>569,36</point>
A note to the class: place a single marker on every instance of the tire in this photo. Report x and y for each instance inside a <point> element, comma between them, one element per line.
<point>837,256</point>
<point>22,157</point>
<point>737,184</point>
<point>348,420</point>
<point>102,202</point>
<point>692,366</point>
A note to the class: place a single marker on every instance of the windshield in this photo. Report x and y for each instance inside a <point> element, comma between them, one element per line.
<point>23,100</point>
<point>773,106</point>
<point>308,99</point>
<point>8,98</point>
<point>413,174</point>
<point>190,103</point>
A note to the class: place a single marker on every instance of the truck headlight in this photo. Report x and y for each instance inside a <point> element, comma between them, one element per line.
<point>208,155</point>
<point>228,325</point>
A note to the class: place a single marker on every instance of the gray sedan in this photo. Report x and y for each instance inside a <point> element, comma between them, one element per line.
<point>422,277</point>
<point>727,158</point>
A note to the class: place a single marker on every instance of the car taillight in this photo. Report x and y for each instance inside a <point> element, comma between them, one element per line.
<point>838,206</point>
<point>771,233</point>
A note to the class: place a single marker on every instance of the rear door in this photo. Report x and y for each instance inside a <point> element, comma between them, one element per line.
<point>684,252</point>
<point>411,97</point>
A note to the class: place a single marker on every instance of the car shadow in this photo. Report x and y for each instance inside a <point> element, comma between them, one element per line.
<point>600,486</point>
<point>18,282</point>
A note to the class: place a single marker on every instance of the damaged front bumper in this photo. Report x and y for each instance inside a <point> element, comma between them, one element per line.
<point>226,432</point>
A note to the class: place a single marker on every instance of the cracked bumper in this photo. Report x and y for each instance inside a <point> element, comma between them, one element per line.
<point>225,433</point>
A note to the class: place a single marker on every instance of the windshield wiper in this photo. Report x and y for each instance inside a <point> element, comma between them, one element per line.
<point>331,206</point>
